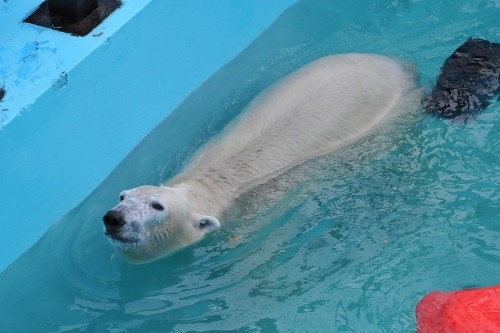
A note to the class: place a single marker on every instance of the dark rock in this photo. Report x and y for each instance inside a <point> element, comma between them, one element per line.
<point>468,82</point>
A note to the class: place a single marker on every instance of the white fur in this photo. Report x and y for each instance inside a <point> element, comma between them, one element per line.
<point>320,107</point>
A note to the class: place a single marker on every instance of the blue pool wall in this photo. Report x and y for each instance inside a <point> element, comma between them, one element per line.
<point>91,99</point>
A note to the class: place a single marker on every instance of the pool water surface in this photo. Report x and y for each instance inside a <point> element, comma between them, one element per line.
<point>348,242</point>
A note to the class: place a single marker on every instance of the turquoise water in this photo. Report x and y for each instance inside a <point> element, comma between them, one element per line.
<point>348,242</point>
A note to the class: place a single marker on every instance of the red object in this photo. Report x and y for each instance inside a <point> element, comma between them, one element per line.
<point>463,311</point>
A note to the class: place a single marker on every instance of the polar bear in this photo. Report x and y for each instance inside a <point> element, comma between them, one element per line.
<point>315,110</point>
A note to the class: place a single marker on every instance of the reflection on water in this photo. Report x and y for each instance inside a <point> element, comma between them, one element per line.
<point>348,242</point>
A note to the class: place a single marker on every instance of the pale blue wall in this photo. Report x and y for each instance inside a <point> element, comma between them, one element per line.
<point>118,87</point>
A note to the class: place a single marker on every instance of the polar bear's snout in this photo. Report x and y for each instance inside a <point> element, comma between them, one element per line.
<point>115,227</point>
<point>119,230</point>
<point>113,220</point>
<point>120,227</point>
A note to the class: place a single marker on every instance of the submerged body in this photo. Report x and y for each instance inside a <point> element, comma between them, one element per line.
<point>315,110</point>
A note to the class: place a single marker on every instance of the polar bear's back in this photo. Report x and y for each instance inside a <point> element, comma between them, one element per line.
<point>312,111</point>
<point>327,102</point>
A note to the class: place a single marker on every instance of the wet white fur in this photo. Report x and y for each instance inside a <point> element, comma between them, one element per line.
<point>320,107</point>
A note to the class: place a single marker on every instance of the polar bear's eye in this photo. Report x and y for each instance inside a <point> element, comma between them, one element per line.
<point>122,197</point>
<point>157,206</point>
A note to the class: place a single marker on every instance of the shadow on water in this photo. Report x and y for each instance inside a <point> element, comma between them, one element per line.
<point>337,244</point>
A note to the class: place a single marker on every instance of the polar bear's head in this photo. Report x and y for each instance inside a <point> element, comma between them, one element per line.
<point>152,221</point>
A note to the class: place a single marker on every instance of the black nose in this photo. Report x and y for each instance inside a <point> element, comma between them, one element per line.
<point>113,220</point>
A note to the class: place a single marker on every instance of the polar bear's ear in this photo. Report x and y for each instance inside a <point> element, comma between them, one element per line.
<point>207,224</point>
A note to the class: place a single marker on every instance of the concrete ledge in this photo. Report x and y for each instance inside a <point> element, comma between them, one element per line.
<point>32,57</point>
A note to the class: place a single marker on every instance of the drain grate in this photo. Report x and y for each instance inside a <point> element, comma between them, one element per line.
<point>55,20</point>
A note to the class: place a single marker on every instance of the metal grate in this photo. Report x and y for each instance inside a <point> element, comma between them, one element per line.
<point>44,18</point>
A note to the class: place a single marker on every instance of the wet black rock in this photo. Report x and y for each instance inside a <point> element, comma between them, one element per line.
<point>468,82</point>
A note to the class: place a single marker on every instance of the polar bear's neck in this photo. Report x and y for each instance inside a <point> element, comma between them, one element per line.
<point>211,192</point>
